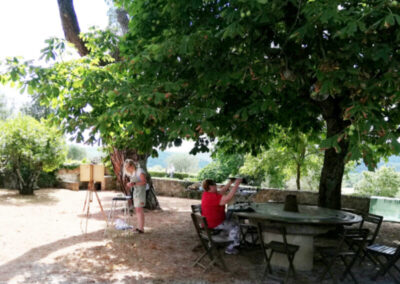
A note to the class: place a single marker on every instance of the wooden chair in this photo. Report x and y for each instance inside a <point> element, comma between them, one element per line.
<point>385,258</point>
<point>329,254</point>
<point>210,243</point>
<point>354,236</point>
<point>247,231</point>
<point>196,208</point>
<point>277,247</point>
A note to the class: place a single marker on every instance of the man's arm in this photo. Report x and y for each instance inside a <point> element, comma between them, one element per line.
<point>225,188</point>
<point>228,197</point>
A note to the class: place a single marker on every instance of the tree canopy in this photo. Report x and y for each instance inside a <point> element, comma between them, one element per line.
<point>236,68</point>
<point>241,67</point>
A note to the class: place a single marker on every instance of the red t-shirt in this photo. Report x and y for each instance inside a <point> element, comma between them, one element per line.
<point>210,208</point>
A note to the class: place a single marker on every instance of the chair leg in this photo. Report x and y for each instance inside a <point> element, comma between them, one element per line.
<point>291,266</point>
<point>348,267</point>
<point>385,268</point>
<point>327,270</point>
<point>197,261</point>
<point>221,259</point>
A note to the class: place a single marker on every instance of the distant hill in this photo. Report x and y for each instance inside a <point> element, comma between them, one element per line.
<point>393,162</point>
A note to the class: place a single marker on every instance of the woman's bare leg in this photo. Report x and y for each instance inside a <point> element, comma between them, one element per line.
<point>140,218</point>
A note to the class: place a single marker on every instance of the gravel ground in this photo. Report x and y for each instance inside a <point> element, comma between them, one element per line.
<point>42,240</point>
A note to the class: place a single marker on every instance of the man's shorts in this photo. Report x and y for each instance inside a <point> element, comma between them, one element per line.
<point>139,196</point>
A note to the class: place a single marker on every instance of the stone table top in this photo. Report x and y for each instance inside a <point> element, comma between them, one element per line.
<point>307,215</point>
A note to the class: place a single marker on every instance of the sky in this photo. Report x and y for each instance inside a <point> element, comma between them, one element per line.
<point>26,24</point>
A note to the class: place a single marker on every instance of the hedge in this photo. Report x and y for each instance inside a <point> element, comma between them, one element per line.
<point>176,175</point>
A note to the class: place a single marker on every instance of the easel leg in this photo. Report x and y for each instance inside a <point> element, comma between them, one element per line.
<point>90,197</point>
<point>101,207</point>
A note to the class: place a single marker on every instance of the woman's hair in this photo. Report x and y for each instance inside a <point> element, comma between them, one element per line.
<point>128,163</point>
<point>207,183</point>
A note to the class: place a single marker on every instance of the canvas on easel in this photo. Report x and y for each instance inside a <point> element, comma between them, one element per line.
<point>91,173</point>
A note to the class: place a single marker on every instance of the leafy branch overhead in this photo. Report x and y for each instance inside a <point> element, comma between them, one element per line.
<point>236,68</point>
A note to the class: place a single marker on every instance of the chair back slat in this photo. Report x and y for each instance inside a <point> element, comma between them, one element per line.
<point>372,219</point>
<point>275,229</point>
<point>202,229</point>
<point>196,208</point>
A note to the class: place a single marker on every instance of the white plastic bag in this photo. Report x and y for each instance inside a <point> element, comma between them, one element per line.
<point>122,225</point>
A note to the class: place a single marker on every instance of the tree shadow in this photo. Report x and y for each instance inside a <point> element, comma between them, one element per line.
<point>17,267</point>
<point>11,197</point>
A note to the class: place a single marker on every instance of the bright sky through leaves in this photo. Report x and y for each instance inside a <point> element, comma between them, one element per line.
<point>26,24</point>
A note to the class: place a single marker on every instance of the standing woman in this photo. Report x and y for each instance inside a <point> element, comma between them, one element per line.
<point>138,182</point>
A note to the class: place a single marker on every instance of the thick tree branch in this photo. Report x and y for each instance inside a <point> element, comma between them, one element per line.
<point>70,25</point>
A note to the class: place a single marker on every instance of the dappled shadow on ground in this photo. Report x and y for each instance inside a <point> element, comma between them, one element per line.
<point>11,197</point>
<point>162,255</point>
<point>29,266</point>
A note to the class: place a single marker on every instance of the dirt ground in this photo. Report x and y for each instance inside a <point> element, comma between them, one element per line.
<point>42,241</point>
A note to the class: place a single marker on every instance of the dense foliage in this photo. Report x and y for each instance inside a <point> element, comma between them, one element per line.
<point>76,152</point>
<point>177,175</point>
<point>27,148</point>
<point>239,67</point>
<point>236,68</point>
<point>222,166</point>
<point>289,155</point>
<point>383,182</point>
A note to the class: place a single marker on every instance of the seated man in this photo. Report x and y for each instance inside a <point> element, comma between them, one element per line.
<point>213,208</point>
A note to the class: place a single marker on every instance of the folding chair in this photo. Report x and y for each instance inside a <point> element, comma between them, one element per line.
<point>348,256</point>
<point>247,232</point>
<point>210,243</point>
<point>277,247</point>
<point>354,236</point>
<point>390,256</point>
<point>119,198</point>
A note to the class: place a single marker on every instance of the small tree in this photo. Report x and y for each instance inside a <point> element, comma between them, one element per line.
<point>76,153</point>
<point>27,148</point>
<point>184,163</point>
<point>222,167</point>
<point>383,182</point>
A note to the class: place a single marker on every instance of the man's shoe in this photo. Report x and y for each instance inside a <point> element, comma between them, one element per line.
<point>229,250</point>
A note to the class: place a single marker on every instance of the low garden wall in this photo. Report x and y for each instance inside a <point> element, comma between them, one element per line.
<point>185,189</point>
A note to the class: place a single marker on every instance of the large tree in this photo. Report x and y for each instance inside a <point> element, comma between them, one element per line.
<point>114,132</point>
<point>85,95</point>
<point>239,67</point>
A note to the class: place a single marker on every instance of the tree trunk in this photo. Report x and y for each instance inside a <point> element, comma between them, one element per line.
<point>26,185</point>
<point>334,159</point>
<point>117,159</point>
<point>298,176</point>
<point>70,25</point>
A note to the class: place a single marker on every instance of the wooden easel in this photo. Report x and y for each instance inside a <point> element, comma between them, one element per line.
<point>87,174</point>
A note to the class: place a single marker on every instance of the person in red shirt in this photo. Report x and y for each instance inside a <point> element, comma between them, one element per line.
<point>213,203</point>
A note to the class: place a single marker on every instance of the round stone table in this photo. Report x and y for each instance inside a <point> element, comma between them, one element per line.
<point>301,228</point>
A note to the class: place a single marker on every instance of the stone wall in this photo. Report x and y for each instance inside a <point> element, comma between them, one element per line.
<point>178,188</point>
<point>70,179</point>
<point>171,187</point>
